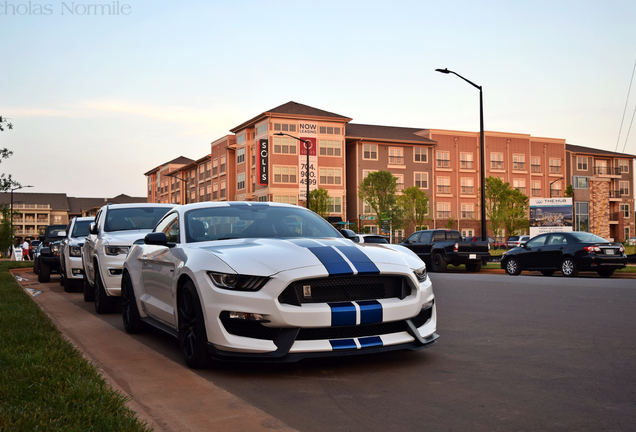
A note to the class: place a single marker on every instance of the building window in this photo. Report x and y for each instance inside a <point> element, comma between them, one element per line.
<point>581,163</point>
<point>285,145</point>
<point>329,130</point>
<point>519,184</point>
<point>240,181</point>
<point>468,233</point>
<point>535,164</point>
<point>624,188</point>
<point>330,148</point>
<point>201,170</point>
<point>223,189</point>
<point>466,161</point>
<point>291,199</point>
<point>335,205</point>
<point>284,127</point>
<point>420,154</point>
<point>626,234</point>
<point>443,159</point>
<point>536,188</point>
<point>370,151</point>
<point>240,138</point>
<point>555,189</point>
<point>625,210</point>
<point>201,191</point>
<point>443,211</point>
<point>396,156</point>
<point>518,162</point>
<point>284,174</point>
<point>623,165</point>
<point>468,186</point>
<point>261,129</point>
<point>222,167</point>
<point>215,167</point>
<point>443,185</point>
<point>215,191</point>
<point>240,155</point>
<point>468,211</point>
<point>399,180</point>
<point>582,220</point>
<point>496,161</point>
<point>421,180</point>
<point>579,182</point>
<point>330,176</point>
<point>555,166</point>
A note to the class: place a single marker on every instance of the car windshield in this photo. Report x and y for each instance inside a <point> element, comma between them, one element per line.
<point>80,229</point>
<point>133,218</point>
<point>586,237</point>
<point>254,221</point>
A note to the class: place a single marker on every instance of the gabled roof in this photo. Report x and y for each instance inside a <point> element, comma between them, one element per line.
<point>292,110</point>
<point>57,201</point>
<point>386,133</point>
<point>589,150</point>
<point>181,160</point>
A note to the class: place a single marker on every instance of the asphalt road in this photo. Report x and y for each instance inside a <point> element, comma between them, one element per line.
<point>524,353</point>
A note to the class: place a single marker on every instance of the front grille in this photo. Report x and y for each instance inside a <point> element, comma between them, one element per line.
<point>255,330</point>
<point>349,288</point>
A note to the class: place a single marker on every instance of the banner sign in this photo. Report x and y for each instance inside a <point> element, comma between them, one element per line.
<point>263,157</point>
<point>550,215</point>
<point>308,131</point>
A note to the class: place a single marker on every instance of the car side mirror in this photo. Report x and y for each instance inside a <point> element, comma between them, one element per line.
<point>348,234</point>
<point>158,239</point>
<point>92,228</point>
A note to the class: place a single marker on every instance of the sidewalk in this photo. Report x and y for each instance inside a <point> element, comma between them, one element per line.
<point>168,396</point>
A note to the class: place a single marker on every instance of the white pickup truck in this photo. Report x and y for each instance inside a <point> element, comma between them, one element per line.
<point>116,228</point>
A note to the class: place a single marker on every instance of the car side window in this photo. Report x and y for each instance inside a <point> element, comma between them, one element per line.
<point>537,241</point>
<point>557,239</point>
<point>414,237</point>
<point>170,226</point>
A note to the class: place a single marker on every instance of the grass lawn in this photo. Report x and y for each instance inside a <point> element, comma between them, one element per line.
<point>45,383</point>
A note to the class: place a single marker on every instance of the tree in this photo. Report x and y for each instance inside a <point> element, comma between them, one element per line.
<point>6,183</point>
<point>378,191</point>
<point>569,191</point>
<point>319,202</point>
<point>414,203</point>
<point>505,207</point>
<point>495,188</point>
<point>6,233</point>
<point>516,212</point>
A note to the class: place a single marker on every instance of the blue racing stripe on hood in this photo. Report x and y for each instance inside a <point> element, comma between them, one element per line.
<point>332,260</point>
<point>360,261</point>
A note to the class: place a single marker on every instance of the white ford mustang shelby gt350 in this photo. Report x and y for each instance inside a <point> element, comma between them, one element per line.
<point>274,282</point>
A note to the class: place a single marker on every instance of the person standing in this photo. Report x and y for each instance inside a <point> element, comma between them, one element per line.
<point>25,251</point>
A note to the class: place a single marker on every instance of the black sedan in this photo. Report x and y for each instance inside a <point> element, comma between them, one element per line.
<point>569,252</point>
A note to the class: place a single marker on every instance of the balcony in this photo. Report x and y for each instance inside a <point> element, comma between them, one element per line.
<point>555,169</point>
<point>443,214</point>
<point>607,171</point>
<point>396,160</point>
<point>468,215</point>
<point>443,189</point>
<point>518,166</point>
<point>443,163</point>
<point>536,169</point>
<point>496,165</point>
<point>468,190</point>
<point>466,165</point>
<point>536,192</point>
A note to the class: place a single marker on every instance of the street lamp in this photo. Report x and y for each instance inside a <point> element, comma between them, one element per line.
<point>551,183</point>
<point>307,143</point>
<point>185,186</point>
<point>483,150</point>
<point>11,215</point>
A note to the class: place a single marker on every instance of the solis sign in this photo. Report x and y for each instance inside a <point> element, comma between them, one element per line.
<point>263,156</point>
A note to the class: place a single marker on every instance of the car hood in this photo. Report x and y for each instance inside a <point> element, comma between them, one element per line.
<point>337,256</point>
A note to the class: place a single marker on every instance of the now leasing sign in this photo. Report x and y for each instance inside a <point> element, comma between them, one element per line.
<point>308,132</point>
<point>550,215</point>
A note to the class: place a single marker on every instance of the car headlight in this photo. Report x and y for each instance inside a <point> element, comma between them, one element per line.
<point>117,250</point>
<point>75,251</point>
<point>55,248</point>
<point>237,282</point>
<point>421,274</point>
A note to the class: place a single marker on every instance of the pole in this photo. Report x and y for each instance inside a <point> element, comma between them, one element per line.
<point>307,143</point>
<point>484,231</point>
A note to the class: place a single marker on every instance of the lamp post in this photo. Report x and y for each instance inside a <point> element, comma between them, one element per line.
<point>11,214</point>
<point>482,150</point>
<point>307,143</point>
<point>552,182</point>
<point>185,186</point>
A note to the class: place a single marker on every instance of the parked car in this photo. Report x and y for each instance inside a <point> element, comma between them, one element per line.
<point>494,244</point>
<point>516,241</point>
<point>270,281</point>
<point>114,230</point>
<point>632,241</point>
<point>71,267</point>
<point>568,252</point>
<point>48,259</point>
<point>370,238</point>
<point>33,247</point>
<point>438,248</point>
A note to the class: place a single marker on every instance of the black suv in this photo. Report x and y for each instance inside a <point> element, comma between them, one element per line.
<point>48,261</point>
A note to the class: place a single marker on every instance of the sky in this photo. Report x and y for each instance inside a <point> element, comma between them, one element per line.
<point>100,92</point>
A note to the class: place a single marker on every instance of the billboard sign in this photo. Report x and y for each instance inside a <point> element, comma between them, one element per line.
<point>550,215</point>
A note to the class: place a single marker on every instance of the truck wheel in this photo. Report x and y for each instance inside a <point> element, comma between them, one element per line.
<point>103,303</point>
<point>473,267</point>
<point>89,293</point>
<point>438,263</point>
<point>44,273</point>
<point>129,311</point>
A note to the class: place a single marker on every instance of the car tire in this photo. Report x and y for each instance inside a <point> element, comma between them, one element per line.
<point>438,263</point>
<point>193,338</point>
<point>568,267</point>
<point>44,273</point>
<point>68,287</point>
<point>474,267</point>
<point>547,272</point>
<point>89,292</point>
<point>512,267</point>
<point>129,311</point>
<point>36,266</point>
<point>103,303</point>
<point>606,273</point>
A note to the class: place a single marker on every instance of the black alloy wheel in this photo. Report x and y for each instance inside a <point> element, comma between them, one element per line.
<point>89,293</point>
<point>129,311</point>
<point>103,303</point>
<point>438,263</point>
<point>192,335</point>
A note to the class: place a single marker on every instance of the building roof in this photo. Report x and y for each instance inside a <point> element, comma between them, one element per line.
<point>180,160</point>
<point>386,133</point>
<point>589,150</point>
<point>57,201</point>
<point>293,110</point>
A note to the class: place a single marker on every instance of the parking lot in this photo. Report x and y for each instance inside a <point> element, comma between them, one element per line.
<point>515,353</point>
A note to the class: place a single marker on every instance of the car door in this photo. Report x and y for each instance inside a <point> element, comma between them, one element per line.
<point>553,251</point>
<point>532,256</point>
<point>158,264</point>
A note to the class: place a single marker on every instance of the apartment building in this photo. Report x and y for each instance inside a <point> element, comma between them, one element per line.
<point>264,159</point>
<point>161,179</point>
<point>603,186</point>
